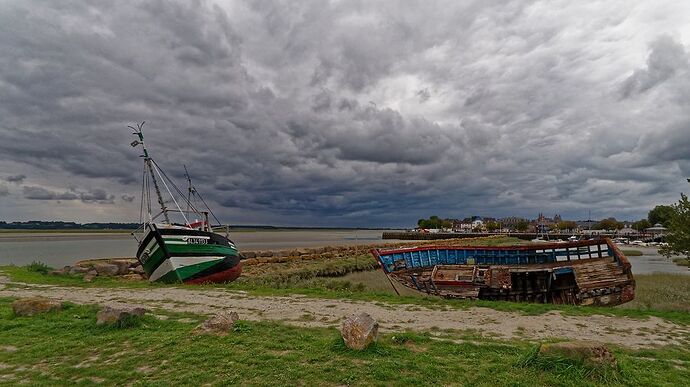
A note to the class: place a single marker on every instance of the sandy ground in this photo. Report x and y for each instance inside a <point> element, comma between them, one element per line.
<point>304,311</point>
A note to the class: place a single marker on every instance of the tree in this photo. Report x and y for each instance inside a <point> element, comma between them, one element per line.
<point>661,214</point>
<point>522,225</point>
<point>566,225</point>
<point>678,228</point>
<point>492,226</point>
<point>608,224</point>
<point>641,225</point>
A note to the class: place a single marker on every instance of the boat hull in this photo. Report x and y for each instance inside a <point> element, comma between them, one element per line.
<point>174,255</point>
<point>582,273</point>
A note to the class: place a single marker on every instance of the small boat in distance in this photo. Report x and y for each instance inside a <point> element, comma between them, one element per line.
<point>592,272</point>
<point>188,250</point>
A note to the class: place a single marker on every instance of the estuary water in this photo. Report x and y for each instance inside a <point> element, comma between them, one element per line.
<point>61,249</point>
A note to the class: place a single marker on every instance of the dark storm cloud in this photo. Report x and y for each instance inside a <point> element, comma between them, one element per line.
<point>92,196</point>
<point>17,179</point>
<point>348,113</point>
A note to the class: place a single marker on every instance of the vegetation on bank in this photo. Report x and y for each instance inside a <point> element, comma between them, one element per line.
<point>632,253</point>
<point>67,347</point>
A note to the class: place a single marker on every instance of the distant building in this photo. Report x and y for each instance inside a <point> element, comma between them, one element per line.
<point>657,229</point>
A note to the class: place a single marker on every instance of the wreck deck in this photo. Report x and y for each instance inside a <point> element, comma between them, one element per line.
<point>585,272</point>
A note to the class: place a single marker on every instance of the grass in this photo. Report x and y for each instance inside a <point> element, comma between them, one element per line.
<point>632,253</point>
<point>68,348</point>
<point>682,261</point>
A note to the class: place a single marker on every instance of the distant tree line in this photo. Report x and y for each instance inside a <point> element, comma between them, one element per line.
<point>57,225</point>
<point>434,222</point>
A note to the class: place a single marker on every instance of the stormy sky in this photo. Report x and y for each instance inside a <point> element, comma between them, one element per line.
<point>346,113</point>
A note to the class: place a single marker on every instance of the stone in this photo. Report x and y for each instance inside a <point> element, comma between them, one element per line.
<point>78,269</point>
<point>122,267</point>
<point>106,269</point>
<point>117,316</point>
<point>221,323</point>
<point>132,277</point>
<point>249,254</point>
<point>266,254</point>
<point>590,352</point>
<point>303,252</point>
<point>62,271</point>
<point>359,331</point>
<point>90,275</point>
<point>31,306</point>
<point>138,269</point>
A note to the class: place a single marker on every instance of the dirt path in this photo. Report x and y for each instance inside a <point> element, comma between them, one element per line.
<point>303,311</point>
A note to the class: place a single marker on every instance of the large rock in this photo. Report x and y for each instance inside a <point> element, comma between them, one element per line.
<point>78,269</point>
<point>34,305</point>
<point>589,352</point>
<point>138,269</point>
<point>359,330</point>
<point>249,254</point>
<point>106,269</point>
<point>221,323</point>
<point>122,266</point>
<point>118,316</point>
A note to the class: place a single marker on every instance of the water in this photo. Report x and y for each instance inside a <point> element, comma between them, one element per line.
<point>652,262</point>
<point>61,249</point>
<point>58,250</point>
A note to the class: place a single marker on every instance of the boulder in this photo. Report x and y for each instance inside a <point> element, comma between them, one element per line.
<point>122,267</point>
<point>249,254</point>
<point>34,305</point>
<point>359,330</point>
<point>221,323</point>
<point>118,316</point>
<point>78,269</point>
<point>90,275</point>
<point>106,269</point>
<point>266,254</point>
<point>589,352</point>
<point>138,269</point>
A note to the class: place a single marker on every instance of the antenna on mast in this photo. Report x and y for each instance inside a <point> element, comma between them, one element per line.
<point>148,165</point>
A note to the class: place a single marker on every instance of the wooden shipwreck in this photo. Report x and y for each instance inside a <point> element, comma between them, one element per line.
<point>592,272</point>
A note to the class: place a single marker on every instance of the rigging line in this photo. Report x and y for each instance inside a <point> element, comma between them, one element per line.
<point>208,208</point>
<point>172,183</point>
<point>155,167</point>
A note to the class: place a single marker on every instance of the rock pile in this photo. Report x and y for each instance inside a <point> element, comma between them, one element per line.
<point>127,268</point>
<point>359,331</point>
<point>35,305</point>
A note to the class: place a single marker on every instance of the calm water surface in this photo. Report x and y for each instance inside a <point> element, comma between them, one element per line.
<point>64,249</point>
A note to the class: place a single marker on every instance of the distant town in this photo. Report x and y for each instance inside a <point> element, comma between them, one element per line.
<point>654,224</point>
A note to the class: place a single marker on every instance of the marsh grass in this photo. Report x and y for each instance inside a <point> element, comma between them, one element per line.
<point>68,348</point>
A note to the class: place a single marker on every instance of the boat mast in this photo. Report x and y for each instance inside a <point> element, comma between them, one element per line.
<point>149,166</point>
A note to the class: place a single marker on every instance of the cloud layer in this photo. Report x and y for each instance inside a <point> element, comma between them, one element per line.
<point>346,113</point>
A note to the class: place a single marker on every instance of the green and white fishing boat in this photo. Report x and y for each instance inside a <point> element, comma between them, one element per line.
<point>180,245</point>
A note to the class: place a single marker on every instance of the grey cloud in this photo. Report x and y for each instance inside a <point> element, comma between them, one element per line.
<point>40,193</point>
<point>666,58</point>
<point>4,191</point>
<point>17,179</point>
<point>91,196</point>
<point>478,107</point>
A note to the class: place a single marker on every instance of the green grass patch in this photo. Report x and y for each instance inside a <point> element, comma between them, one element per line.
<point>682,261</point>
<point>632,253</point>
<point>68,348</point>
